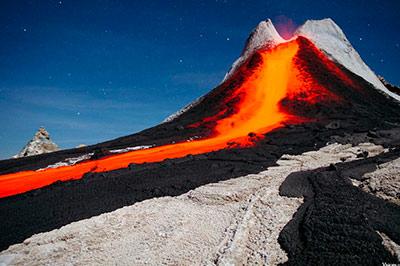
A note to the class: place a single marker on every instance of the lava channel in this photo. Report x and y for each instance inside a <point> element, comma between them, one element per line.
<point>259,111</point>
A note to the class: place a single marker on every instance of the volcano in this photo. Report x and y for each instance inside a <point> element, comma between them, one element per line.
<point>280,97</point>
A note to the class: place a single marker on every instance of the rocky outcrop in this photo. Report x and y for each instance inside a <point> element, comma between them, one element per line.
<point>41,143</point>
<point>384,182</point>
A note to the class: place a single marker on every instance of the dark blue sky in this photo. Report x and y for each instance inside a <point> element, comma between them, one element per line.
<point>93,70</point>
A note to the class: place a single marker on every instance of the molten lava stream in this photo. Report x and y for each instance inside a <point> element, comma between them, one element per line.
<point>258,112</point>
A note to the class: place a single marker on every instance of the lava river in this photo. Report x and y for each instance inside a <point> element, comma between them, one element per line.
<point>275,78</point>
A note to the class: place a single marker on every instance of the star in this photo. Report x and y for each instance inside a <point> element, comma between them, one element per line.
<point>24,29</point>
<point>361,38</point>
<point>227,38</point>
<point>78,113</point>
<point>180,60</point>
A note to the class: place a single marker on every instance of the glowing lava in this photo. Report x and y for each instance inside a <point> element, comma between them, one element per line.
<point>257,111</point>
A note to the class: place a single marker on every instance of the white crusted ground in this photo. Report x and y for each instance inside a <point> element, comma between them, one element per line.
<point>231,222</point>
<point>390,245</point>
<point>384,182</point>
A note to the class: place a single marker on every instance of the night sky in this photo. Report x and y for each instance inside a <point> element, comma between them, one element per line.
<point>90,71</point>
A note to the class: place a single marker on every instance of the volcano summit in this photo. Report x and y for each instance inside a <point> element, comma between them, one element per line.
<point>278,164</point>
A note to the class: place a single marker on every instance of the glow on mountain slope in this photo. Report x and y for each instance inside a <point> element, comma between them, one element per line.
<point>258,111</point>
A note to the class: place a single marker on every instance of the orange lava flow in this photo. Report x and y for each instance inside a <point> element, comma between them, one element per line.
<point>258,112</point>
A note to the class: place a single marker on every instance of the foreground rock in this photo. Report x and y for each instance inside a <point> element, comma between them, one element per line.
<point>384,182</point>
<point>237,221</point>
<point>338,223</point>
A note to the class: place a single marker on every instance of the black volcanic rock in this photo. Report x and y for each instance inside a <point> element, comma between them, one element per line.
<point>338,222</point>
